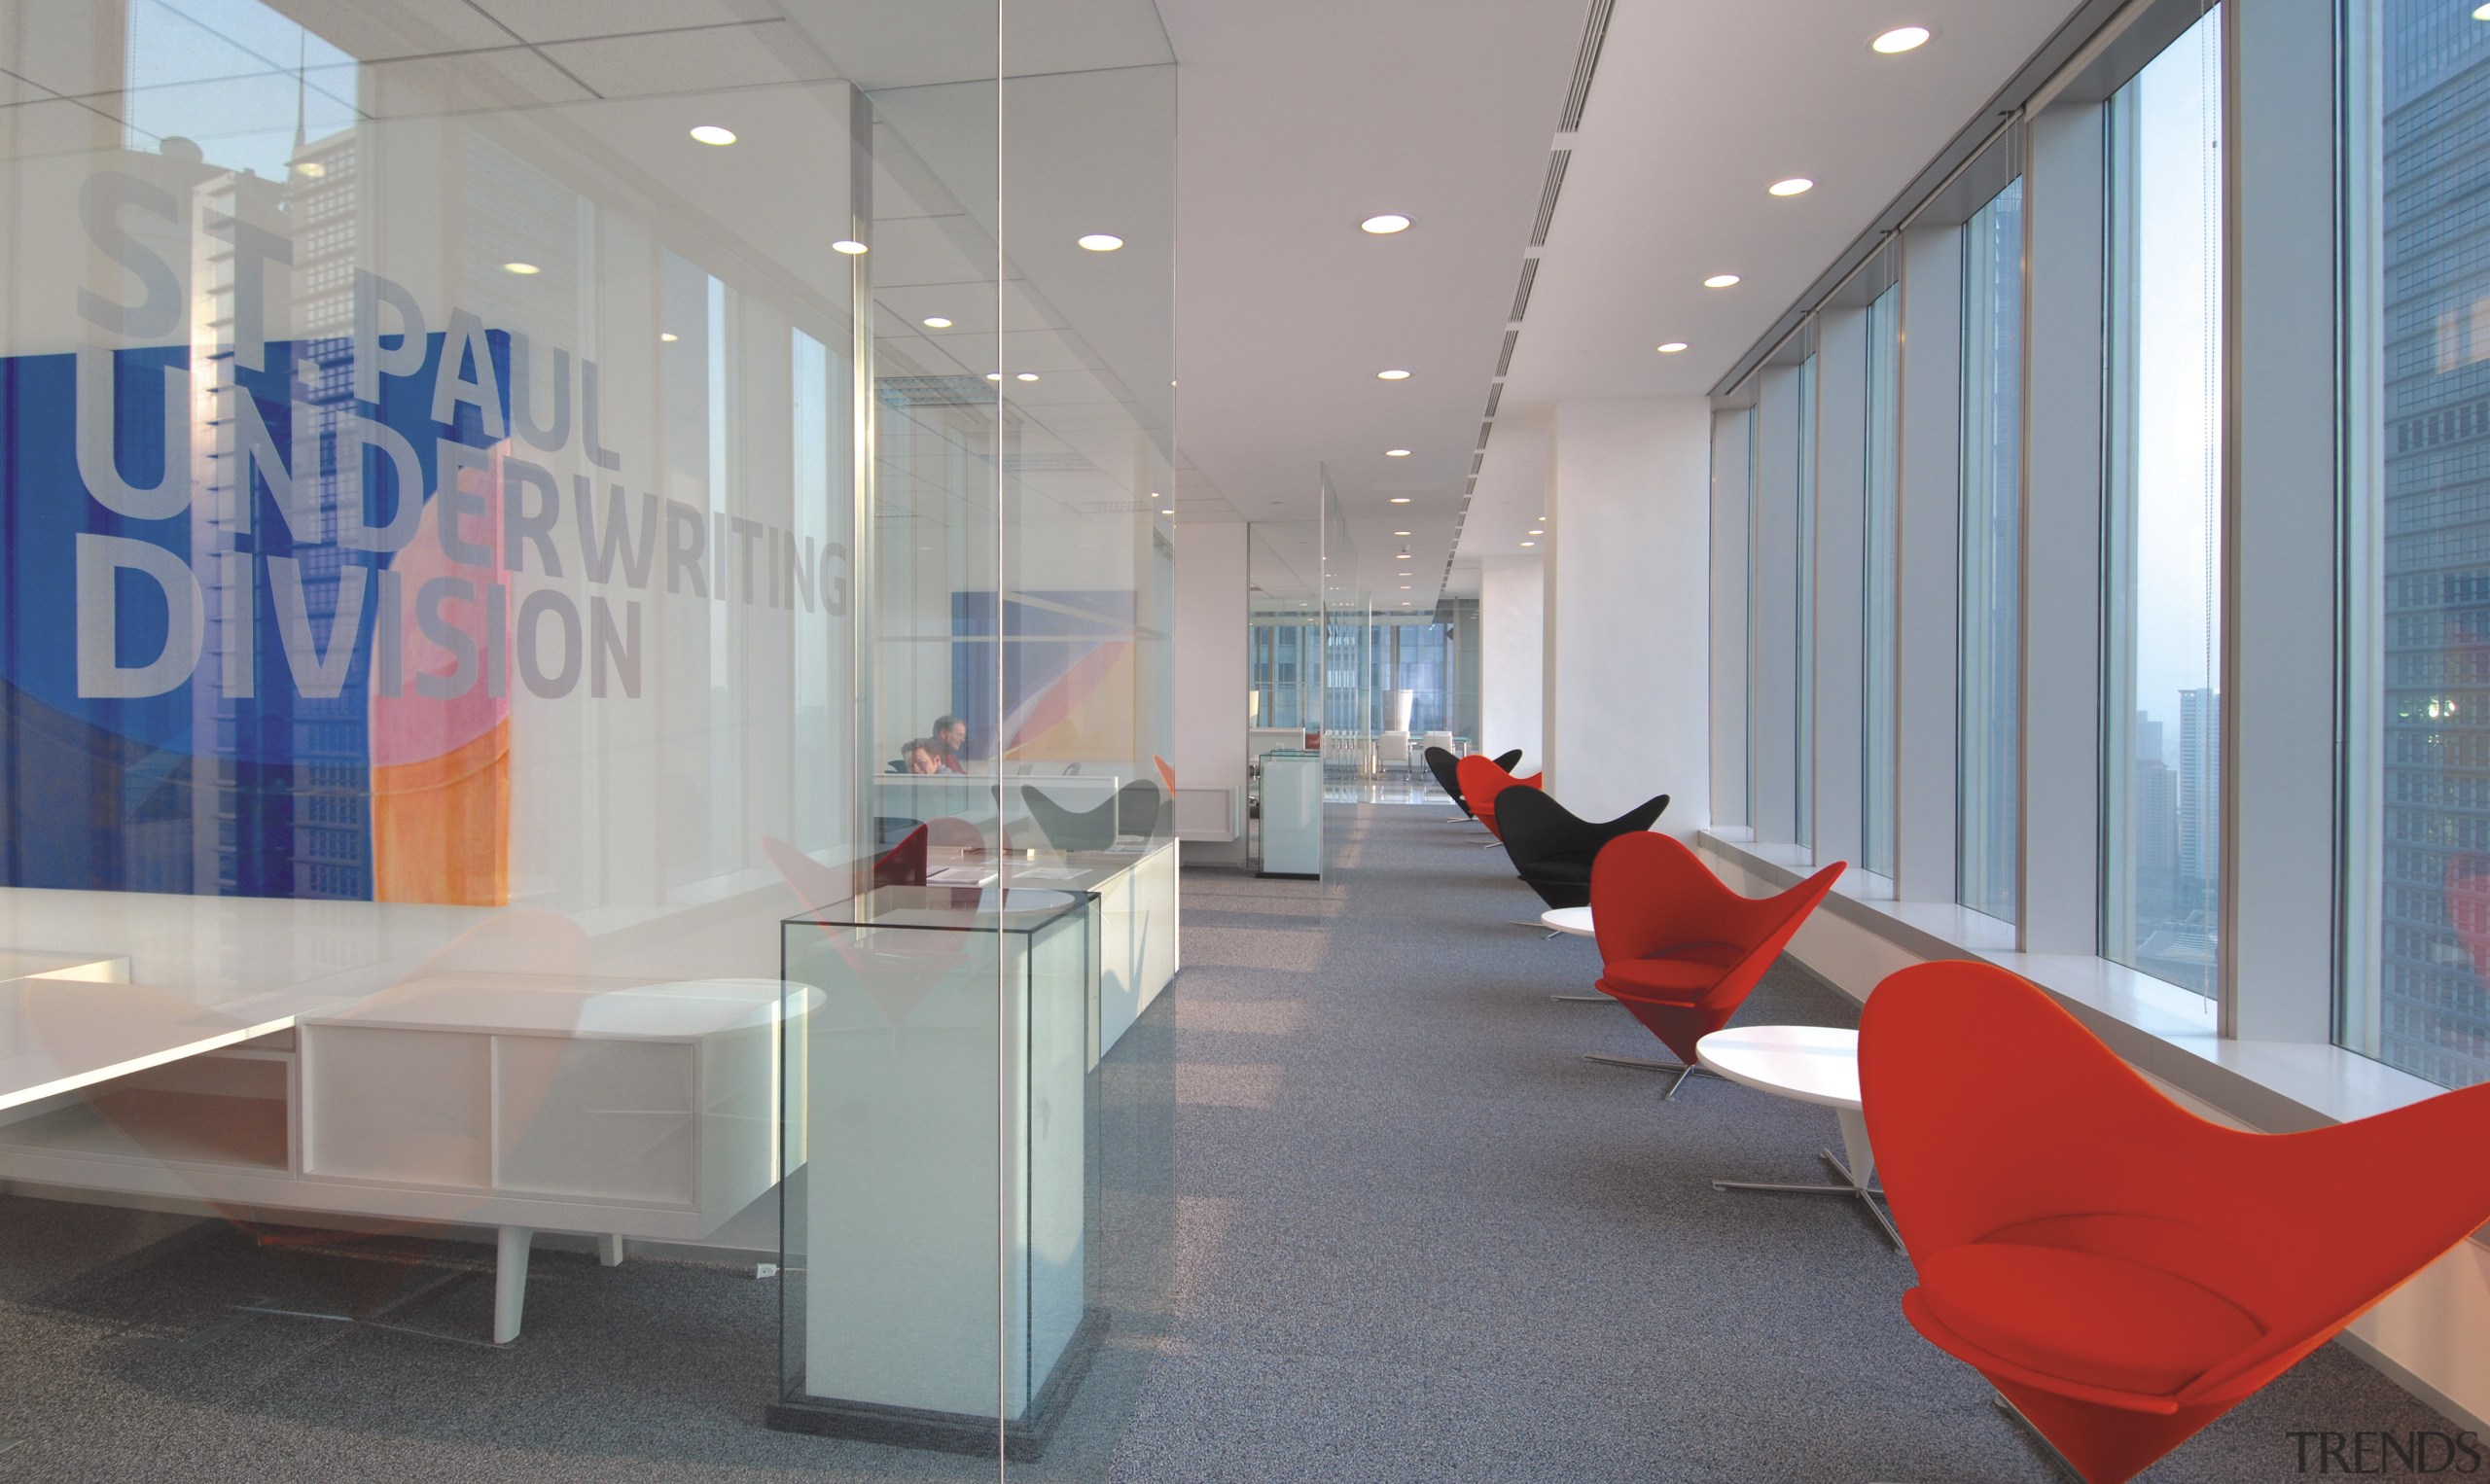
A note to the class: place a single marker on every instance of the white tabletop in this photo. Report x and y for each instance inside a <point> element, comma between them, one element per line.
<point>1574,920</point>
<point>1812,1062</point>
<point>60,1035</point>
<point>592,1007</point>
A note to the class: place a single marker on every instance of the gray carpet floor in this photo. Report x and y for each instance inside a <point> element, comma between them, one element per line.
<point>1423,1240</point>
<point>1414,1236</point>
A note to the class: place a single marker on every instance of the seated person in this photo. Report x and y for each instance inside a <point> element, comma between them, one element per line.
<point>950,735</point>
<point>923,756</point>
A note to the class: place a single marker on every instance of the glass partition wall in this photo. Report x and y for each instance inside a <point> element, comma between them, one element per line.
<point>547,501</point>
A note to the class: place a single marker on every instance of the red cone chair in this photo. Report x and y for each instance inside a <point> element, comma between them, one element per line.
<point>2122,1271</point>
<point>903,864</point>
<point>1677,947</point>
<point>1481,780</point>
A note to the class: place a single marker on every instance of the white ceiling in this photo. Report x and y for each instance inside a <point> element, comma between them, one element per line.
<point>1296,120</point>
<point>1299,117</point>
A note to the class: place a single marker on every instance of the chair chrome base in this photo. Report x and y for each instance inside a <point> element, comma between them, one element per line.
<point>1851,1186</point>
<point>1646,1064</point>
<point>1590,1000</point>
<point>2040,1442</point>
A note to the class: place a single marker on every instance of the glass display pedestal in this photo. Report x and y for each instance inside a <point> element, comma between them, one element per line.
<point>1291,815</point>
<point>941,1188</point>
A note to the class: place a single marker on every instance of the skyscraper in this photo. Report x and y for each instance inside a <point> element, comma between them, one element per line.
<point>2199,789</point>
<point>2434,1013</point>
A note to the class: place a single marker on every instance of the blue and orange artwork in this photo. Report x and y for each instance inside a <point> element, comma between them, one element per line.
<point>1067,673</point>
<point>256,624</point>
<point>187,674</point>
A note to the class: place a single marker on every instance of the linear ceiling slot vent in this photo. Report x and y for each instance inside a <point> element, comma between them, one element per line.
<point>1594,31</point>
<point>1504,362</point>
<point>1495,394</point>
<point>1484,429</point>
<point>1522,294</point>
<point>1477,462</point>
<point>1556,162</point>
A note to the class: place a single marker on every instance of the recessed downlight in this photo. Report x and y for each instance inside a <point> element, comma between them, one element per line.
<point>1399,499</point>
<point>668,337</point>
<point>1905,38</point>
<point>1672,347</point>
<point>936,322</point>
<point>1530,543</point>
<point>522,269</point>
<point>712,133</point>
<point>1721,280</point>
<point>1391,375</point>
<point>848,245</point>
<point>1385,225</point>
<point>1395,453</point>
<point>1795,184</point>
<point>1026,377</point>
<point>1170,510</point>
<point>1400,533</point>
<point>1101,242</point>
<point>993,376</point>
<point>1537,530</point>
<point>2481,13</point>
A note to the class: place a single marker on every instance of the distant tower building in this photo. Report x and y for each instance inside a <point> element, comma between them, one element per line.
<point>2156,804</point>
<point>2199,792</point>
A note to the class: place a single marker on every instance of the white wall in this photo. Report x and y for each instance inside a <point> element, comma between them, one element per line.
<point>1628,677</point>
<point>1512,650</point>
<point>1211,681</point>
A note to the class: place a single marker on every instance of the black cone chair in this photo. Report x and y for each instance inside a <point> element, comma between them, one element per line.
<point>1137,809</point>
<point>1553,850</point>
<point>1072,828</point>
<point>1447,771</point>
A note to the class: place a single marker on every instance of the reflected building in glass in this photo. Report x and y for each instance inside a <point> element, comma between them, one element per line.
<point>2433,1011</point>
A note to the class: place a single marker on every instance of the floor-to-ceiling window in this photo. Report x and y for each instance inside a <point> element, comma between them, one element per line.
<point>2417,989</point>
<point>1992,488</point>
<point>2161,681</point>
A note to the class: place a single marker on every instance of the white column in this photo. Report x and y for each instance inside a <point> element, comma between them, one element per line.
<point>2060,797</point>
<point>1628,687</point>
<point>2279,528</point>
<point>1732,452</point>
<point>1841,584</point>
<point>1211,680</point>
<point>1512,611</point>
<point>1772,611</point>
<point>1929,623</point>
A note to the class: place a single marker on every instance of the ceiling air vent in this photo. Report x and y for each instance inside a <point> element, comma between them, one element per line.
<point>1495,394</point>
<point>1476,461</point>
<point>1521,295</point>
<point>934,391</point>
<point>1484,429</point>
<point>1556,164</point>
<point>1503,363</point>
<point>1594,31</point>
